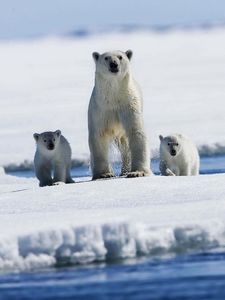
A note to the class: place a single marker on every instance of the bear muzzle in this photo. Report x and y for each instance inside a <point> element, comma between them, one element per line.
<point>113,67</point>
<point>51,146</point>
<point>173,152</point>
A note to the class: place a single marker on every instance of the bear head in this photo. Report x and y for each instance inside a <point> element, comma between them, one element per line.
<point>113,64</point>
<point>47,140</point>
<point>170,144</point>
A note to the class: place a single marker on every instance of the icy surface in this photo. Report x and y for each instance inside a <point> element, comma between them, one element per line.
<point>108,219</point>
<point>46,85</point>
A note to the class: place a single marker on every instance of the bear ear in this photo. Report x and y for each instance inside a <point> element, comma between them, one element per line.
<point>95,55</point>
<point>36,136</point>
<point>129,54</point>
<point>58,132</point>
<point>160,137</point>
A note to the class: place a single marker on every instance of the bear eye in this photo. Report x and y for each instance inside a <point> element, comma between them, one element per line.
<point>45,141</point>
<point>120,57</point>
<point>53,140</point>
<point>168,144</point>
<point>106,58</point>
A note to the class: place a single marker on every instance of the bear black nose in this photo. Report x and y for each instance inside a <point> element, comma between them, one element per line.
<point>113,65</point>
<point>50,146</point>
<point>173,152</point>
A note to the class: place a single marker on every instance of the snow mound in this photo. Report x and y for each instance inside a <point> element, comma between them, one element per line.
<point>94,243</point>
<point>106,220</point>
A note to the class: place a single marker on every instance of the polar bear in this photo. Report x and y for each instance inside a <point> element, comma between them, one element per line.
<point>178,156</point>
<point>53,155</point>
<point>115,115</point>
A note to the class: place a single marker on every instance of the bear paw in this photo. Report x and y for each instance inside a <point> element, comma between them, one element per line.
<point>58,183</point>
<point>103,176</point>
<point>169,173</point>
<point>137,174</point>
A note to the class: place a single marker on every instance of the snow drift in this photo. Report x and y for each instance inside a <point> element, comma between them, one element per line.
<point>107,242</point>
<point>109,219</point>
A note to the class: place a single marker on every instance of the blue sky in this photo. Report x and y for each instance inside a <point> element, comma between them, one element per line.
<point>25,18</point>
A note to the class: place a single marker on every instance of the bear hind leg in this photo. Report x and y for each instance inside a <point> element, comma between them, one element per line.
<point>99,158</point>
<point>123,146</point>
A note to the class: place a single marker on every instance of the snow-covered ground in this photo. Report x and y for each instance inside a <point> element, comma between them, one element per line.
<point>103,220</point>
<point>46,85</point>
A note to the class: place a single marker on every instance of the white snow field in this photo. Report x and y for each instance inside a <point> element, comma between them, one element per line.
<point>107,219</point>
<point>46,85</point>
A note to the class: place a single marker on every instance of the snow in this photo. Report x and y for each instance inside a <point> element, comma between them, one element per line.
<point>46,85</point>
<point>108,219</point>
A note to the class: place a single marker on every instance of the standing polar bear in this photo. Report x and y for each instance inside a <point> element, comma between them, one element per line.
<point>115,115</point>
<point>53,155</point>
<point>178,156</point>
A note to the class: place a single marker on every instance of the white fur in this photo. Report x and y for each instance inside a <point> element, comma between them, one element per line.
<point>56,161</point>
<point>186,160</point>
<point>115,115</point>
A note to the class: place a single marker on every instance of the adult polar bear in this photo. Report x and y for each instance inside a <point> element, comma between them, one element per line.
<point>115,115</point>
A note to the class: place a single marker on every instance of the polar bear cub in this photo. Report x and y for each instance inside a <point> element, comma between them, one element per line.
<point>115,115</point>
<point>178,156</point>
<point>53,156</point>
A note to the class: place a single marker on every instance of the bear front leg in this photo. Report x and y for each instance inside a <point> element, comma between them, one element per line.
<point>165,171</point>
<point>99,147</point>
<point>140,163</point>
<point>68,177</point>
<point>139,156</point>
<point>195,170</point>
<point>59,173</point>
<point>43,173</point>
<point>185,171</point>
